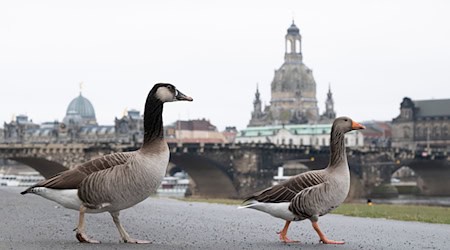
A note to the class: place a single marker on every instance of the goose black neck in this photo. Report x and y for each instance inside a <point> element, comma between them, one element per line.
<point>153,122</point>
<point>337,147</point>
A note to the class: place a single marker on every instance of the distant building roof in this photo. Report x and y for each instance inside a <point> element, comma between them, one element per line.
<point>428,108</point>
<point>195,140</point>
<point>200,124</point>
<point>377,129</point>
<point>296,129</point>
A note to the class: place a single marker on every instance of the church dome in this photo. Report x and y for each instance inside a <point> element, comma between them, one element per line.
<point>293,29</point>
<point>83,107</point>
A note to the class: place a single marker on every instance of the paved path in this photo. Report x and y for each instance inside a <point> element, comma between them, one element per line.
<point>31,222</point>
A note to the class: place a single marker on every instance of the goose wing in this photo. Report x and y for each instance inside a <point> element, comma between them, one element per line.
<point>286,190</point>
<point>313,201</point>
<point>70,179</point>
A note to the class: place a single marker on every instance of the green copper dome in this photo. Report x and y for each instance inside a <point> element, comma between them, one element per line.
<point>83,107</point>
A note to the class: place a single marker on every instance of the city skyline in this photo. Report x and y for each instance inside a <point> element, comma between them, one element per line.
<point>372,55</point>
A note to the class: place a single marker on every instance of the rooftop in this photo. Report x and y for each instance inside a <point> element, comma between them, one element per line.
<point>437,107</point>
<point>296,129</point>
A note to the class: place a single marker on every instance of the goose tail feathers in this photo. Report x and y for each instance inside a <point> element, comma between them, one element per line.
<point>28,190</point>
<point>248,204</point>
<point>278,210</point>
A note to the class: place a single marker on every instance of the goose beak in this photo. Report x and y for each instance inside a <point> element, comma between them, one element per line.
<point>182,97</point>
<point>357,126</point>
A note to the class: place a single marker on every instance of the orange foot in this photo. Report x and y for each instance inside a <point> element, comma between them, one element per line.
<point>327,241</point>
<point>83,238</point>
<point>322,236</point>
<point>135,241</point>
<point>285,239</point>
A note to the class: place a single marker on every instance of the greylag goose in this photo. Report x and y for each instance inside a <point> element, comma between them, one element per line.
<point>120,180</point>
<point>310,194</point>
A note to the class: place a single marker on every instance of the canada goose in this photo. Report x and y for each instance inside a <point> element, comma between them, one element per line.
<point>310,194</point>
<point>117,181</point>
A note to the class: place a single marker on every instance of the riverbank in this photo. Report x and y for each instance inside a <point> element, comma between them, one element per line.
<point>429,214</point>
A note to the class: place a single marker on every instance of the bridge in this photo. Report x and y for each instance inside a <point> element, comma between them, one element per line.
<point>236,170</point>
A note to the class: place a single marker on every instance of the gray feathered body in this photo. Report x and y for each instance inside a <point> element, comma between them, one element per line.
<point>311,194</point>
<point>322,198</point>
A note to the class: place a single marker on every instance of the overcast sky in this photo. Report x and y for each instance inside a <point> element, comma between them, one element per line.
<point>373,53</point>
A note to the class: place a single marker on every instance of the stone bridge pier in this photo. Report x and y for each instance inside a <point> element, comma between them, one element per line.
<point>227,171</point>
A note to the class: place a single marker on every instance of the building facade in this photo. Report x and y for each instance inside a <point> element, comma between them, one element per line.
<point>422,125</point>
<point>293,91</point>
<point>79,125</point>
<point>377,134</point>
<point>315,135</point>
<point>194,131</point>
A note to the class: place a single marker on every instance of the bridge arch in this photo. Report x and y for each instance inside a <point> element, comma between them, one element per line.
<point>434,175</point>
<point>209,176</point>
<point>406,180</point>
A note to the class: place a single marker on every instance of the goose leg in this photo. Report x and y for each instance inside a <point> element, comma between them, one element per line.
<point>123,234</point>
<point>322,236</point>
<point>81,236</point>
<point>283,234</point>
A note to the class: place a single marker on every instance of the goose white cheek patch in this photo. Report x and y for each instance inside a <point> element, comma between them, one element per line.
<point>164,94</point>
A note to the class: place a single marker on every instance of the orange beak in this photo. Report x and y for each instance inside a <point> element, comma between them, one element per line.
<point>356,126</point>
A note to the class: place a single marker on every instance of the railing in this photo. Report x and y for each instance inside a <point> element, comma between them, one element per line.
<point>201,147</point>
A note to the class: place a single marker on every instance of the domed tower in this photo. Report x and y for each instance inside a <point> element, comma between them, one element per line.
<point>293,86</point>
<point>80,112</point>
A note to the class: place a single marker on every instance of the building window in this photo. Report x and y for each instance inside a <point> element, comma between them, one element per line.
<point>288,46</point>
<point>346,141</point>
<point>418,132</point>
<point>435,131</point>
<point>323,141</point>
<point>301,141</point>
<point>291,141</point>
<point>406,132</point>
<point>282,141</point>
<point>445,131</point>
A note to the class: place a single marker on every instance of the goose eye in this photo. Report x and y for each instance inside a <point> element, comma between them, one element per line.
<point>346,120</point>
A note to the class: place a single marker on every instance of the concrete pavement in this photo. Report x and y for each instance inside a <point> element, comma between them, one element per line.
<point>31,222</point>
